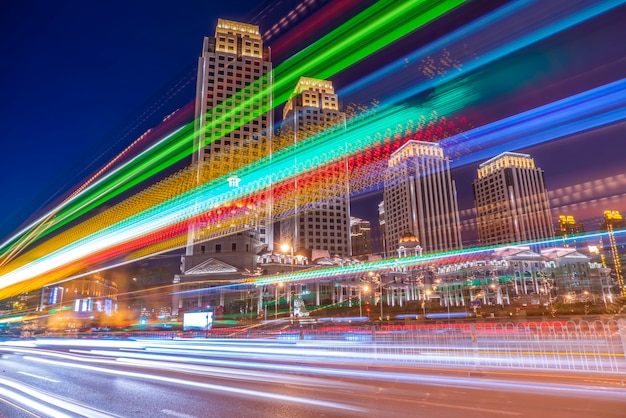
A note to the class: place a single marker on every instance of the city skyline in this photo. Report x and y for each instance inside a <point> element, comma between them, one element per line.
<point>557,182</point>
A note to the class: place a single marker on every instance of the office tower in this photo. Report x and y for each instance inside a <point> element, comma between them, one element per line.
<point>420,198</point>
<point>568,226</point>
<point>233,109</point>
<point>360,233</point>
<point>321,220</point>
<point>382,227</point>
<point>511,200</point>
<point>611,221</point>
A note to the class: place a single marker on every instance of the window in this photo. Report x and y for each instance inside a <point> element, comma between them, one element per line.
<point>218,248</point>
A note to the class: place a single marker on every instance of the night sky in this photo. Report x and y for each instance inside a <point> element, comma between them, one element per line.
<point>81,80</point>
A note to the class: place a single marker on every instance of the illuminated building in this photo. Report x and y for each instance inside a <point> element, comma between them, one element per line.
<point>322,224</point>
<point>80,302</point>
<point>234,69</point>
<point>360,234</point>
<point>420,198</point>
<point>568,226</point>
<point>511,200</point>
<point>382,227</point>
<point>613,220</point>
<point>234,127</point>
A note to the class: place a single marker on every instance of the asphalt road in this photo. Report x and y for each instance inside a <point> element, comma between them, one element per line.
<point>200,378</point>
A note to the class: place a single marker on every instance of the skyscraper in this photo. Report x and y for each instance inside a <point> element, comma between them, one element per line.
<point>420,198</point>
<point>568,226</point>
<point>511,200</point>
<point>325,223</point>
<point>613,220</point>
<point>234,127</point>
<point>234,121</point>
<point>360,234</point>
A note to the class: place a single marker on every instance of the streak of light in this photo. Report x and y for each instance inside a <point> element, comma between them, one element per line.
<point>597,101</point>
<point>119,240</point>
<point>584,111</point>
<point>394,19</point>
<point>52,400</point>
<point>517,25</point>
<point>299,351</point>
<point>202,385</point>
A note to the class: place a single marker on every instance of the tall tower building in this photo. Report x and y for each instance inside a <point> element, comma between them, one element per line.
<point>568,226</point>
<point>382,227</point>
<point>511,200</point>
<point>325,223</point>
<point>613,220</point>
<point>360,234</point>
<point>420,198</point>
<point>234,120</point>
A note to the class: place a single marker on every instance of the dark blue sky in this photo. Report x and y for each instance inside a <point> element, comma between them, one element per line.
<point>76,75</point>
<point>80,80</point>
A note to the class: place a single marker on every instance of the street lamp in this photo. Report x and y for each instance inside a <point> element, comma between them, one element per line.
<point>364,289</point>
<point>288,249</point>
<point>427,296</point>
<point>276,302</point>
<point>380,284</point>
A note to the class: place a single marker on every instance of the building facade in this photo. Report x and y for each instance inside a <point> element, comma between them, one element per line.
<point>234,123</point>
<point>511,200</point>
<point>568,226</point>
<point>420,198</point>
<point>360,234</point>
<point>322,223</point>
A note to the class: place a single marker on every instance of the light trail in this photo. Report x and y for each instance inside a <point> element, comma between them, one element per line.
<point>517,25</point>
<point>394,19</point>
<point>171,218</point>
<point>178,214</point>
<point>202,385</point>
<point>588,110</point>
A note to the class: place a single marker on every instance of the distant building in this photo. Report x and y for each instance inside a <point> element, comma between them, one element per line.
<point>511,200</point>
<point>420,198</point>
<point>80,302</point>
<point>568,226</point>
<point>218,261</point>
<point>360,234</point>
<point>613,220</point>
<point>322,223</point>
<point>382,227</point>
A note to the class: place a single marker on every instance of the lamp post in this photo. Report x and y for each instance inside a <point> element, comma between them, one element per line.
<point>380,284</point>
<point>288,249</point>
<point>426,296</point>
<point>276,302</point>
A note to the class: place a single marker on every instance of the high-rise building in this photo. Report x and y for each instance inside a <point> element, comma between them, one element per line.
<point>234,123</point>
<point>382,227</point>
<point>420,198</point>
<point>325,223</point>
<point>234,127</point>
<point>360,234</point>
<point>568,226</point>
<point>613,220</point>
<point>511,200</point>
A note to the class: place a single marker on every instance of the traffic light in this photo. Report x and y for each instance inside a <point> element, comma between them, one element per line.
<point>367,307</point>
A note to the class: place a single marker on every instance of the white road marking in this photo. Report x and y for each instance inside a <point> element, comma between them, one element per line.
<point>177,414</point>
<point>40,377</point>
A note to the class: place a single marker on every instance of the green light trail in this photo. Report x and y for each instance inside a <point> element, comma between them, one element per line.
<point>376,27</point>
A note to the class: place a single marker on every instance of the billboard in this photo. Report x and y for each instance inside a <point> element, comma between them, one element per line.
<point>197,321</point>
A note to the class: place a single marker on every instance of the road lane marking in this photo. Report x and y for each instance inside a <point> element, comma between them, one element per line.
<point>468,408</point>
<point>177,414</point>
<point>40,377</point>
